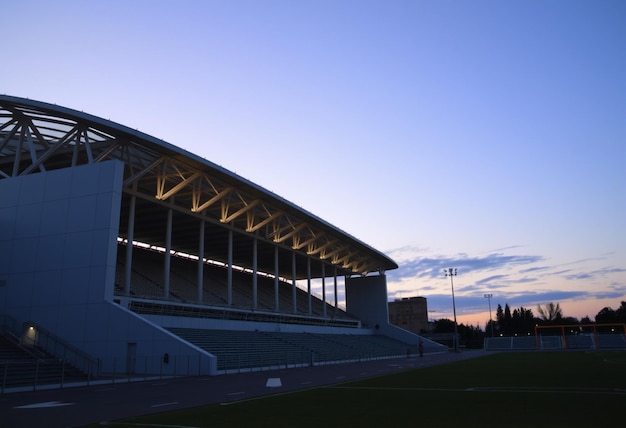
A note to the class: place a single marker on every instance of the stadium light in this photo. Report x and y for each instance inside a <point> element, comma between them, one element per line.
<point>489,296</point>
<point>452,272</point>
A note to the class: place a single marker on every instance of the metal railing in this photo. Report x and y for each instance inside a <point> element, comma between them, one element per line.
<point>547,342</point>
<point>39,374</point>
<point>39,338</point>
<point>151,307</point>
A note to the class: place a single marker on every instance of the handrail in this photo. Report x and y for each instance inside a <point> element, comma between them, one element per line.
<point>33,352</point>
<point>157,307</point>
<point>82,360</point>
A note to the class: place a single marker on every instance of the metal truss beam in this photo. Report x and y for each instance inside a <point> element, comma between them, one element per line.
<point>37,137</point>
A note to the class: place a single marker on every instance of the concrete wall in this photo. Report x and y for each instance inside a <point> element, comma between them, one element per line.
<point>366,298</point>
<point>58,243</point>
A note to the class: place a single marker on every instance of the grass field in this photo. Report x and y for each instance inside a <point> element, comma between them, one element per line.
<point>517,389</point>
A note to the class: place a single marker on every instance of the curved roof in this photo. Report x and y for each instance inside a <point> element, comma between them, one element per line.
<point>37,137</point>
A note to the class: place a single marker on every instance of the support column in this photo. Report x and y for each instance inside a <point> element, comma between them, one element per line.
<point>229,275</point>
<point>168,255</point>
<point>254,273</point>
<point>129,245</point>
<point>335,280</point>
<point>201,261</point>
<point>276,281</point>
<point>308,284</point>
<point>323,289</point>
<point>294,287</point>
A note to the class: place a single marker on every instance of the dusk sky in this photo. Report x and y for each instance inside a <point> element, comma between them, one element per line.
<point>489,136</point>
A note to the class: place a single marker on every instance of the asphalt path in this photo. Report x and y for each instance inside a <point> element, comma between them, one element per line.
<point>79,406</point>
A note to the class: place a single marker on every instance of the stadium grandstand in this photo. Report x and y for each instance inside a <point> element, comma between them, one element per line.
<point>133,255</point>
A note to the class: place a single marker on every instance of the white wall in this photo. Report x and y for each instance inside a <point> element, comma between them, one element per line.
<point>55,243</point>
<point>58,243</point>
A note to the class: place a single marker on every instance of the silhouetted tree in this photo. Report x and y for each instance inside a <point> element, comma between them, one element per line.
<point>569,321</point>
<point>489,329</point>
<point>443,325</point>
<point>469,336</point>
<point>523,321</point>
<point>507,327</point>
<point>499,320</point>
<point>621,313</point>
<point>550,313</point>
<point>606,316</point>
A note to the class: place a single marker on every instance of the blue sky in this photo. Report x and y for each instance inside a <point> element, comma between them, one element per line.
<point>485,135</point>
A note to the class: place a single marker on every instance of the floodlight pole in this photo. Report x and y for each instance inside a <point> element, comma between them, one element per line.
<point>489,296</point>
<point>452,272</point>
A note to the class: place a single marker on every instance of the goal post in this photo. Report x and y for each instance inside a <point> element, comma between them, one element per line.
<point>580,336</point>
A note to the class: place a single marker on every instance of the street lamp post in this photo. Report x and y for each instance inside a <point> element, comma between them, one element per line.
<point>489,296</point>
<point>452,272</point>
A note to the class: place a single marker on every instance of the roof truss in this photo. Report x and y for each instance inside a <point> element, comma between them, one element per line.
<point>37,137</point>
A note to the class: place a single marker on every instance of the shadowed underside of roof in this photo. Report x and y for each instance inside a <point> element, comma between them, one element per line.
<point>37,137</point>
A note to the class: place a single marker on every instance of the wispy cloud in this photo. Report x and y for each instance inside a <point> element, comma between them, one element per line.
<point>559,272</point>
<point>595,273</point>
<point>535,269</point>
<point>492,278</point>
<point>515,279</point>
<point>583,275</point>
<point>432,267</point>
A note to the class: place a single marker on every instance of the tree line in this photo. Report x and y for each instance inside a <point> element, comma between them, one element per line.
<point>521,322</point>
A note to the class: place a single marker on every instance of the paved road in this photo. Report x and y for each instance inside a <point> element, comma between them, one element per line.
<point>74,407</point>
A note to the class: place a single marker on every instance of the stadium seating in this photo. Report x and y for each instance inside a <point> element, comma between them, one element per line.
<point>246,350</point>
<point>147,280</point>
<point>237,350</point>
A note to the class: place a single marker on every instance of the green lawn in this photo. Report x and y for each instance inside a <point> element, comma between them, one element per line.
<point>521,389</point>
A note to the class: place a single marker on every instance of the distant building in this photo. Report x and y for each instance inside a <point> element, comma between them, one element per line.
<point>410,313</point>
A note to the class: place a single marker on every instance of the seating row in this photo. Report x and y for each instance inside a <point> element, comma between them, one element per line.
<point>237,350</point>
<point>147,275</point>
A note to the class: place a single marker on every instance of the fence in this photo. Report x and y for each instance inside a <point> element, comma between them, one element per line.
<point>49,362</point>
<point>547,342</point>
<point>40,374</point>
<point>39,338</point>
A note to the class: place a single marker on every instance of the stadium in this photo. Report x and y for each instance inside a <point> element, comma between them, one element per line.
<point>122,253</point>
